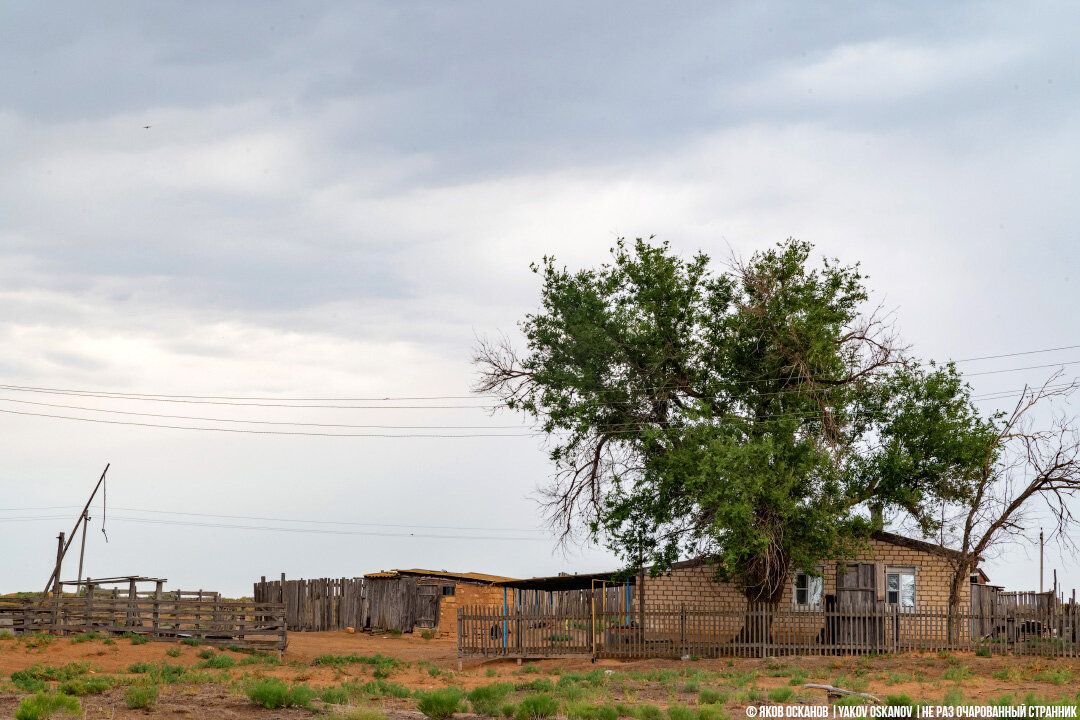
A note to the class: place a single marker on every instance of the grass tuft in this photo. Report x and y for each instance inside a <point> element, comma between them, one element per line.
<point>141,697</point>
<point>536,707</point>
<point>442,703</point>
<point>45,705</point>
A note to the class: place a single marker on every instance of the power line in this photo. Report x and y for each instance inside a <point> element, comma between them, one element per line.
<point>78,393</point>
<point>260,422</point>
<point>1016,354</point>
<point>279,519</point>
<point>255,399</point>
<point>310,531</point>
<point>249,431</point>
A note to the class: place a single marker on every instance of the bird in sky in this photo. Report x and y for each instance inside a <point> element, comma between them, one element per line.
<point>145,127</point>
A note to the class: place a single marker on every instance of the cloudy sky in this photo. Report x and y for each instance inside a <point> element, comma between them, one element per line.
<point>333,199</point>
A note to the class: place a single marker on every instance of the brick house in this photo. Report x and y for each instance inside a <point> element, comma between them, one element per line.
<point>891,569</point>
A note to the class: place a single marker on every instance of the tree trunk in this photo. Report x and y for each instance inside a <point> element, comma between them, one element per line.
<point>960,574</point>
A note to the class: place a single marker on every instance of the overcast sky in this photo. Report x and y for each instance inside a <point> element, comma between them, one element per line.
<point>333,200</point>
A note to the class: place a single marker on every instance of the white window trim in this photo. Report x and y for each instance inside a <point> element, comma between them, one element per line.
<point>913,571</point>
<point>795,604</point>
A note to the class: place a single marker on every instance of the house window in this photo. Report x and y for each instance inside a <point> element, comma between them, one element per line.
<point>447,590</point>
<point>900,586</point>
<point>808,589</point>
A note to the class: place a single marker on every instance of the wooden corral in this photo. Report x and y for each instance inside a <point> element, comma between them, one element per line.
<point>231,623</point>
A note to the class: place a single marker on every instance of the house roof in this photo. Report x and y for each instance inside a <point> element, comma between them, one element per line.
<point>561,582</point>
<point>912,543</point>
<point>473,576</point>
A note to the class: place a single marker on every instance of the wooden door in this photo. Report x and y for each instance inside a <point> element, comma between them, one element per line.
<point>856,585</point>
<point>427,605</point>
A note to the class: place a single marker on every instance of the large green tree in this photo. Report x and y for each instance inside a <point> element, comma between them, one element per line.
<point>753,414</point>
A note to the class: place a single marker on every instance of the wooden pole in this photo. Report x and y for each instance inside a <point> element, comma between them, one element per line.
<point>82,553</point>
<point>56,571</point>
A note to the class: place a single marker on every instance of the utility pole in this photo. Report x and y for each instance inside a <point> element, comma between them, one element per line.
<point>54,579</point>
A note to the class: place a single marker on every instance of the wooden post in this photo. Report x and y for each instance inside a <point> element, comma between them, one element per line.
<point>641,604</point>
<point>82,553</point>
<point>59,560</point>
<point>157,608</point>
<point>89,606</point>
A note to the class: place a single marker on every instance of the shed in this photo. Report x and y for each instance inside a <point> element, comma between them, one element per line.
<point>407,599</point>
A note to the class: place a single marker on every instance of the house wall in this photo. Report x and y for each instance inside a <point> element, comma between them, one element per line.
<point>694,586</point>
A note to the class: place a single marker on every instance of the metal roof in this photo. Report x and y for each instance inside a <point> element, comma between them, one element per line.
<point>562,582</point>
<point>475,577</point>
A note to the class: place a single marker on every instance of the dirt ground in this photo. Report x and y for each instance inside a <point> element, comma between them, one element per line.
<point>434,663</point>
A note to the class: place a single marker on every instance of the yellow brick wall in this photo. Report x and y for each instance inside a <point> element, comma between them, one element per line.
<point>464,594</point>
<point>694,586</point>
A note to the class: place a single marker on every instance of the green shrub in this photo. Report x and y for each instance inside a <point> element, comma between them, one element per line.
<point>680,712</point>
<point>87,686</point>
<point>427,634</point>
<point>539,685</point>
<point>441,704</point>
<point>192,641</point>
<point>585,711</point>
<point>647,711</point>
<point>710,696</point>
<point>536,707</point>
<point>173,651</point>
<point>33,678</point>
<point>261,657</point>
<point>37,641</point>
<point>381,688</point>
<point>141,697</point>
<point>85,637</point>
<point>781,694</point>
<point>491,672</point>
<point>711,712</point>
<point>206,654</point>
<point>530,668</point>
<point>220,662</point>
<point>508,710</point>
<point>691,686</point>
<point>983,652</point>
<point>139,640</point>
<point>334,694</point>
<point>899,700</point>
<point>273,693</point>
<point>45,705</point>
<point>953,697</point>
<point>957,674</point>
<point>487,699</point>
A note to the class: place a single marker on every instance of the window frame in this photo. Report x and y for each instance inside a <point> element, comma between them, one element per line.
<point>902,571</point>
<point>819,579</point>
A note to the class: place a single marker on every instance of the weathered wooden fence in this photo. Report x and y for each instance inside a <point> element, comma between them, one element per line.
<point>254,625</point>
<point>316,604</point>
<point>762,631</point>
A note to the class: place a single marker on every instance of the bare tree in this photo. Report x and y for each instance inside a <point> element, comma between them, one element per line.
<point>1028,467</point>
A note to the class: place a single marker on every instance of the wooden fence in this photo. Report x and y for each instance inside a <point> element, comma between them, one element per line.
<point>764,631</point>
<point>316,604</point>
<point>239,623</point>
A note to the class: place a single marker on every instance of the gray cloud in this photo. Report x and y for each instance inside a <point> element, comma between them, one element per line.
<point>333,198</point>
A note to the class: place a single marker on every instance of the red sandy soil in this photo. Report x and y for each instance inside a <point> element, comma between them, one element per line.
<point>215,701</point>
